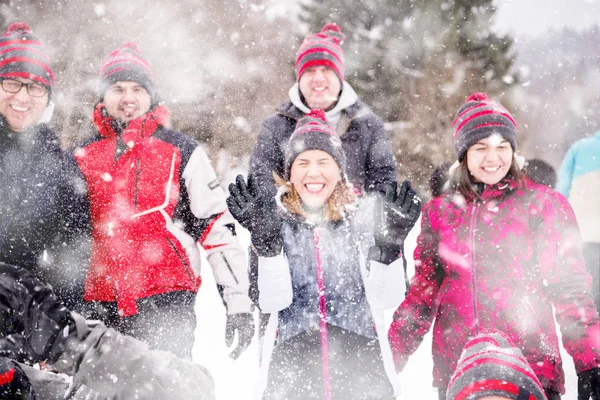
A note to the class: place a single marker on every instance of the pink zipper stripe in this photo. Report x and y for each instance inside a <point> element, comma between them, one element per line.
<point>322,319</point>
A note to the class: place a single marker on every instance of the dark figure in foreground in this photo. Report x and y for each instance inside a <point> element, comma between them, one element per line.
<point>103,363</point>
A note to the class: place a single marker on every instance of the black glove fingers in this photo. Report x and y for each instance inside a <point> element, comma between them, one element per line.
<point>390,193</point>
<point>401,199</point>
<point>233,206</point>
<point>415,208</point>
<point>253,188</point>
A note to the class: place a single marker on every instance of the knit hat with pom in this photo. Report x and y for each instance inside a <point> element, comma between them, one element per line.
<point>479,118</point>
<point>313,133</point>
<point>22,56</point>
<point>322,48</point>
<point>490,365</point>
<point>126,64</point>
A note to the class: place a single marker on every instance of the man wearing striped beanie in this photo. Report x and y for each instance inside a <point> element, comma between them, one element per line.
<point>320,84</point>
<point>44,214</point>
<point>491,368</point>
<point>23,62</point>
<point>154,196</point>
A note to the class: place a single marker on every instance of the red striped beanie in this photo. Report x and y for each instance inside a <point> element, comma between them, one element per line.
<point>313,133</point>
<point>322,48</point>
<point>22,55</point>
<point>126,64</point>
<point>479,118</point>
<point>491,366</point>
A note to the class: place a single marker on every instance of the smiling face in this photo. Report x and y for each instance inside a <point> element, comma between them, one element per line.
<point>490,159</point>
<point>20,109</point>
<point>320,87</point>
<point>126,101</point>
<point>314,175</point>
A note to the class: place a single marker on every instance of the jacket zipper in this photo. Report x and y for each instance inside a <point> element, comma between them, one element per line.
<point>473,280</point>
<point>322,316</point>
<point>137,176</point>
<point>190,274</point>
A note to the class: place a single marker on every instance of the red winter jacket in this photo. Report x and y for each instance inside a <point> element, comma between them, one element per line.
<point>153,194</point>
<point>500,264</point>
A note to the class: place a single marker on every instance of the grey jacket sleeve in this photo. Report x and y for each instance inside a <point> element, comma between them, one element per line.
<point>120,367</point>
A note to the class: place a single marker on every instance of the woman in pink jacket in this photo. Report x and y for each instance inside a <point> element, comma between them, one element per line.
<point>495,253</point>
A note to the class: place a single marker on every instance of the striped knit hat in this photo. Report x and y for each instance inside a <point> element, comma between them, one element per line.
<point>126,64</point>
<point>490,365</point>
<point>479,118</point>
<point>313,133</point>
<point>322,48</point>
<point>22,56</point>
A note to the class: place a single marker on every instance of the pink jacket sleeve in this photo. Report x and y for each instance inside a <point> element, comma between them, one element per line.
<point>562,267</point>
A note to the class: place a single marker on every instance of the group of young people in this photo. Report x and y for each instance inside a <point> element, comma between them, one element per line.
<point>327,220</point>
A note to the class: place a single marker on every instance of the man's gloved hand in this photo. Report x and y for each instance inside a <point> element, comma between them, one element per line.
<point>395,215</point>
<point>34,305</point>
<point>256,211</point>
<point>588,384</point>
<point>243,323</point>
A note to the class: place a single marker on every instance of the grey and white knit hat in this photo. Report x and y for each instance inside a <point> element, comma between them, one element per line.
<point>313,133</point>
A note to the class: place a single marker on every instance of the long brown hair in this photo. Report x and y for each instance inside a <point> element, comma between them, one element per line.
<point>342,196</point>
<point>461,179</point>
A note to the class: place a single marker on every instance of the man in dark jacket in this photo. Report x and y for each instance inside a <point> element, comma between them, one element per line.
<point>320,84</point>
<point>154,196</point>
<point>44,214</point>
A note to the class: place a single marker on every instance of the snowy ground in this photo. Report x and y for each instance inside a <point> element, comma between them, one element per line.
<point>235,379</point>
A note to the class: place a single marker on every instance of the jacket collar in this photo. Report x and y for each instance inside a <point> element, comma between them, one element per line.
<point>139,128</point>
<point>501,188</point>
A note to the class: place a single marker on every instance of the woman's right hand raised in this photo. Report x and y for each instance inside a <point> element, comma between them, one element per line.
<point>256,211</point>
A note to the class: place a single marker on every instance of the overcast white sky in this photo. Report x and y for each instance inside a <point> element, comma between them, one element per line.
<point>534,17</point>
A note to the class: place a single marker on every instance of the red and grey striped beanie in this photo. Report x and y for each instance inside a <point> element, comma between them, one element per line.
<point>126,64</point>
<point>479,118</point>
<point>313,133</point>
<point>490,365</point>
<point>322,48</point>
<point>22,55</point>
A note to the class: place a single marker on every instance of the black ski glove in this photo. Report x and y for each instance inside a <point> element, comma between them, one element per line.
<point>243,323</point>
<point>588,384</point>
<point>34,305</point>
<point>256,211</point>
<point>395,215</point>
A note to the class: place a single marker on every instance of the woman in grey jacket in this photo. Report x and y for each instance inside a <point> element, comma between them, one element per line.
<point>326,272</point>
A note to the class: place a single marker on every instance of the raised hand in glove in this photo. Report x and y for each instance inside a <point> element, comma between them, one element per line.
<point>37,309</point>
<point>256,211</point>
<point>588,384</point>
<point>395,215</point>
<point>243,323</point>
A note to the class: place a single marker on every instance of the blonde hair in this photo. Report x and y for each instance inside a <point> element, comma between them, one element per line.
<point>342,196</point>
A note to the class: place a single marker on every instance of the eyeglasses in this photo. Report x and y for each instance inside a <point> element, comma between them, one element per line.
<point>33,88</point>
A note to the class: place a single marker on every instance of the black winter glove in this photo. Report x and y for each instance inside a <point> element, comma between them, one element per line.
<point>256,211</point>
<point>243,323</point>
<point>588,384</point>
<point>395,215</point>
<point>34,305</point>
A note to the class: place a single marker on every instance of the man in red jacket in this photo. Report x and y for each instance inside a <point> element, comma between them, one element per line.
<point>154,196</point>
